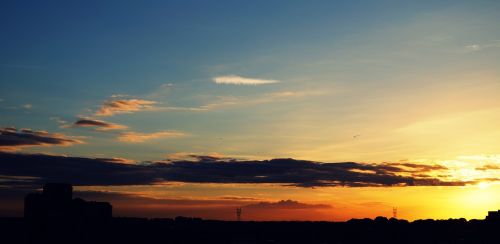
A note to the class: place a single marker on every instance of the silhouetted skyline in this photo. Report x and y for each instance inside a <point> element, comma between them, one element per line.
<point>322,110</point>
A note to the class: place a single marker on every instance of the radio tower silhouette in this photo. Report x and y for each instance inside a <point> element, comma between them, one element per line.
<point>395,212</point>
<point>238,214</point>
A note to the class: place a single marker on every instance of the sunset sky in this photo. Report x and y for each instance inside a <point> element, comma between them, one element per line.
<point>292,110</point>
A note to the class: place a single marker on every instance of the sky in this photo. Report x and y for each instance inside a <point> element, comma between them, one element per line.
<point>292,110</point>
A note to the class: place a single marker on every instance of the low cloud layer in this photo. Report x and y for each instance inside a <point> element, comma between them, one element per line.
<point>289,172</point>
<point>98,124</point>
<point>12,139</point>
<point>120,106</point>
<point>286,204</point>
<point>238,80</point>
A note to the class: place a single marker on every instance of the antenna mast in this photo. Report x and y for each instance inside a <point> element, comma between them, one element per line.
<point>238,214</point>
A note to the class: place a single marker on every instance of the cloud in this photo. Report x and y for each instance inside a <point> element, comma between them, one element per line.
<point>488,167</point>
<point>77,170</point>
<point>238,80</point>
<point>26,106</point>
<point>280,96</point>
<point>288,172</point>
<point>98,124</point>
<point>473,47</point>
<point>237,198</point>
<point>221,101</point>
<point>186,156</point>
<point>411,167</point>
<point>135,137</point>
<point>117,160</point>
<point>478,47</point>
<point>120,106</point>
<point>12,139</point>
<point>286,204</point>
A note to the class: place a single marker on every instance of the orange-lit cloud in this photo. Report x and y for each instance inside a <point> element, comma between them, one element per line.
<point>120,106</point>
<point>117,160</point>
<point>135,137</point>
<point>12,139</point>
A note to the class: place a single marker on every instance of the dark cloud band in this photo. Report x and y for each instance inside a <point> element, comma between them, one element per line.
<point>299,173</point>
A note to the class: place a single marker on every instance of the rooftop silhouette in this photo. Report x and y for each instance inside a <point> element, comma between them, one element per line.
<point>56,203</point>
<point>493,216</point>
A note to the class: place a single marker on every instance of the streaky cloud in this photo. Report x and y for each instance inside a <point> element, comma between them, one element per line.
<point>280,96</point>
<point>120,106</point>
<point>238,80</point>
<point>12,139</point>
<point>136,137</point>
<point>100,125</point>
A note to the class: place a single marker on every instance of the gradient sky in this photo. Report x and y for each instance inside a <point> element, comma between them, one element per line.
<point>396,84</point>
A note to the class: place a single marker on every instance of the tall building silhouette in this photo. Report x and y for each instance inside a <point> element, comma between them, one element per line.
<point>56,203</point>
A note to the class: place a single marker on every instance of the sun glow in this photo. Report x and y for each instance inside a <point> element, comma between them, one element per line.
<point>483,185</point>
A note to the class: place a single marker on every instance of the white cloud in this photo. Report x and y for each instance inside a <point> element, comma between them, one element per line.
<point>479,47</point>
<point>238,80</point>
<point>473,47</point>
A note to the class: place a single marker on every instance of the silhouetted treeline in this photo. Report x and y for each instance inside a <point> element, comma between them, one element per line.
<point>195,230</point>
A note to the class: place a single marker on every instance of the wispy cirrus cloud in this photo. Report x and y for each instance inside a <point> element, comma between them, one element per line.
<point>12,139</point>
<point>26,106</point>
<point>121,106</point>
<point>238,80</point>
<point>99,125</point>
<point>228,101</point>
<point>136,137</point>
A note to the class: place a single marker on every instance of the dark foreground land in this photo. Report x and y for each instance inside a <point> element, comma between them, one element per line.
<point>186,230</point>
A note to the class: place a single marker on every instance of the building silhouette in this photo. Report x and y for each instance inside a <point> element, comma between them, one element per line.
<point>56,203</point>
<point>493,216</point>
